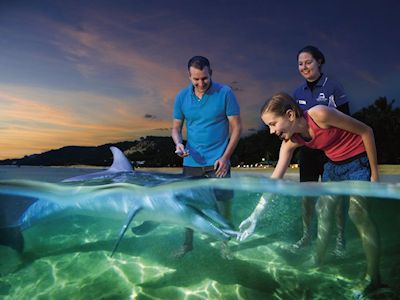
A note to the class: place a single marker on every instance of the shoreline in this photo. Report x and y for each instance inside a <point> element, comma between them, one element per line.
<point>383,169</point>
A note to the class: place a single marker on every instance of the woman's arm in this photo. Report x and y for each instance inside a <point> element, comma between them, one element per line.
<point>326,117</point>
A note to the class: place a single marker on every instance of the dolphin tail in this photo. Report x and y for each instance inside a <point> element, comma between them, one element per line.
<point>13,238</point>
<point>132,214</point>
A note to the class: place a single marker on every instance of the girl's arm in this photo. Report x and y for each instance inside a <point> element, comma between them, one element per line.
<point>248,226</point>
<point>326,117</point>
<point>285,156</point>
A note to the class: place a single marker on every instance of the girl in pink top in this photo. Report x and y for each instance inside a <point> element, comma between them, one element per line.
<point>350,146</point>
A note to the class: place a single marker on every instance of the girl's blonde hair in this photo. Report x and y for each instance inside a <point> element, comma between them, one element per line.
<point>279,104</point>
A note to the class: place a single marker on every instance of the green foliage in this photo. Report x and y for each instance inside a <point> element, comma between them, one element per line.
<point>384,119</point>
<point>252,149</point>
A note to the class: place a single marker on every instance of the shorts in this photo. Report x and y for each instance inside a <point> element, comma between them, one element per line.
<point>209,172</point>
<point>355,168</point>
<point>311,164</point>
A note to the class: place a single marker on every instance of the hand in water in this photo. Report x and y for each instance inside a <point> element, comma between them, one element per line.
<point>247,228</point>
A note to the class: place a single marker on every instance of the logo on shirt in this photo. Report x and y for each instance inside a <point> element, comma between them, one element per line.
<point>303,102</point>
<point>321,98</point>
<point>332,102</point>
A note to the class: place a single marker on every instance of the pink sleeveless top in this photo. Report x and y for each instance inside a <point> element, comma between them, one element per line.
<point>338,144</point>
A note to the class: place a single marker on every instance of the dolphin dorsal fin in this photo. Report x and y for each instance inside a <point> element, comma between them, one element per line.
<point>120,162</point>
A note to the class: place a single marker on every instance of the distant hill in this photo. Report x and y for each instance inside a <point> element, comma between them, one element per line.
<point>151,151</point>
<point>155,151</point>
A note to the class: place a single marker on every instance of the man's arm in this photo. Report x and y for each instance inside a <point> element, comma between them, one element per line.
<point>222,164</point>
<point>177,137</point>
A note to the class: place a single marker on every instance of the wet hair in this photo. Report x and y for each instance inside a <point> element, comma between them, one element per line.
<point>315,52</point>
<point>279,104</point>
<point>199,62</point>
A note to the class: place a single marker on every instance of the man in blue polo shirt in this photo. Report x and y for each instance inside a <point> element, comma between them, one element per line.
<point>212,116</point>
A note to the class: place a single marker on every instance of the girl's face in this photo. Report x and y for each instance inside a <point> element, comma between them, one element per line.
<point>309,68</point>
<point>282,126</point>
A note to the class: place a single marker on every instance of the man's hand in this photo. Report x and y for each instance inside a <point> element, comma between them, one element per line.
<point>221,167</point>
<point>180,150</point>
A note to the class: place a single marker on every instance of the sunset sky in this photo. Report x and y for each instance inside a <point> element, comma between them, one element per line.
<point>92,72</point>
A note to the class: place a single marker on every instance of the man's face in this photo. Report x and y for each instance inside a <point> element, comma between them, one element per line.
<point>201,79</point>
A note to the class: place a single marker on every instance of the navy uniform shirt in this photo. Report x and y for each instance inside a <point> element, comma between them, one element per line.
<point>326,92</point>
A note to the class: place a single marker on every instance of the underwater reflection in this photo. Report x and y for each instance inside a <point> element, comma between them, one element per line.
<point>67,250</point>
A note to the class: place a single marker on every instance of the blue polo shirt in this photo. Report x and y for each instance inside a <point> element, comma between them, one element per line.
<point>326,92</point>
<point>207,125</point>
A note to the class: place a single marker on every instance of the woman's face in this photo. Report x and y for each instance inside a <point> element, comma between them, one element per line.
<point>282,126</point>
<point>309,68</point>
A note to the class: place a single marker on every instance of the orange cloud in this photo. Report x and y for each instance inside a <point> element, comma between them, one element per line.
<point>32,121</point>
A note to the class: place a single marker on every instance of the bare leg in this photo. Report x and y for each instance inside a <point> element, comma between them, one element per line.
<point>341,218</point>
<point>326,206</point>
<point>358,212</point>
<point>308,204</point>
<point>187,244</point>
<point>224,208</point>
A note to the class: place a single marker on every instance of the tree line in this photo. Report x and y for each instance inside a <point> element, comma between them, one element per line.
<point>154,151</point>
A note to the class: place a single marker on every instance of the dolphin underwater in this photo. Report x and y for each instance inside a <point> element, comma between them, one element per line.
<point>172,203</point>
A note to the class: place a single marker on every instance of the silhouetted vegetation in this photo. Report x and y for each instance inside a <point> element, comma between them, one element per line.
<point>385,121</point>
<point>155,151</point>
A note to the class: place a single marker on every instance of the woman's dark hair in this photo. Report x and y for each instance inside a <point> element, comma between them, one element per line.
<point>315,52</point>
<point>199,62</point>
<point>279,104</point>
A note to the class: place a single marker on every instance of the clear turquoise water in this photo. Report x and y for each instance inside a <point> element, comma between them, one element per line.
<point>69,257</point>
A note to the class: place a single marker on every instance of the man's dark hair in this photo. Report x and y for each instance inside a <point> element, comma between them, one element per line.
<point>199,62</point>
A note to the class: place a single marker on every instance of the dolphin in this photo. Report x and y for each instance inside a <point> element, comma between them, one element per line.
<point>120,165</point>
<point>173,203</point>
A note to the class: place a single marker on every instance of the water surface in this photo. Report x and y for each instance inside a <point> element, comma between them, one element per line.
<point>69,257</point>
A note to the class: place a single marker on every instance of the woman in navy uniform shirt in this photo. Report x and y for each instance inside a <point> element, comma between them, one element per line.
<point>318,89</point>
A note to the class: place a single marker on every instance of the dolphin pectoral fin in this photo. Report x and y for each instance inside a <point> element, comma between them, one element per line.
<point>217,218</point>
<point>145,227</point>
<point>13,238</point>
<point>132,214</point>
<point>200,223</point>
<point>231,233</point>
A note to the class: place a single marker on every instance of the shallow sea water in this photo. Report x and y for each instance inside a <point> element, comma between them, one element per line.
<point>68,257</point>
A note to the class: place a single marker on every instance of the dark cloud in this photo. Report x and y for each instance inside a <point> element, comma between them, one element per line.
<point>150,116</point>
<point>235,86</point>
